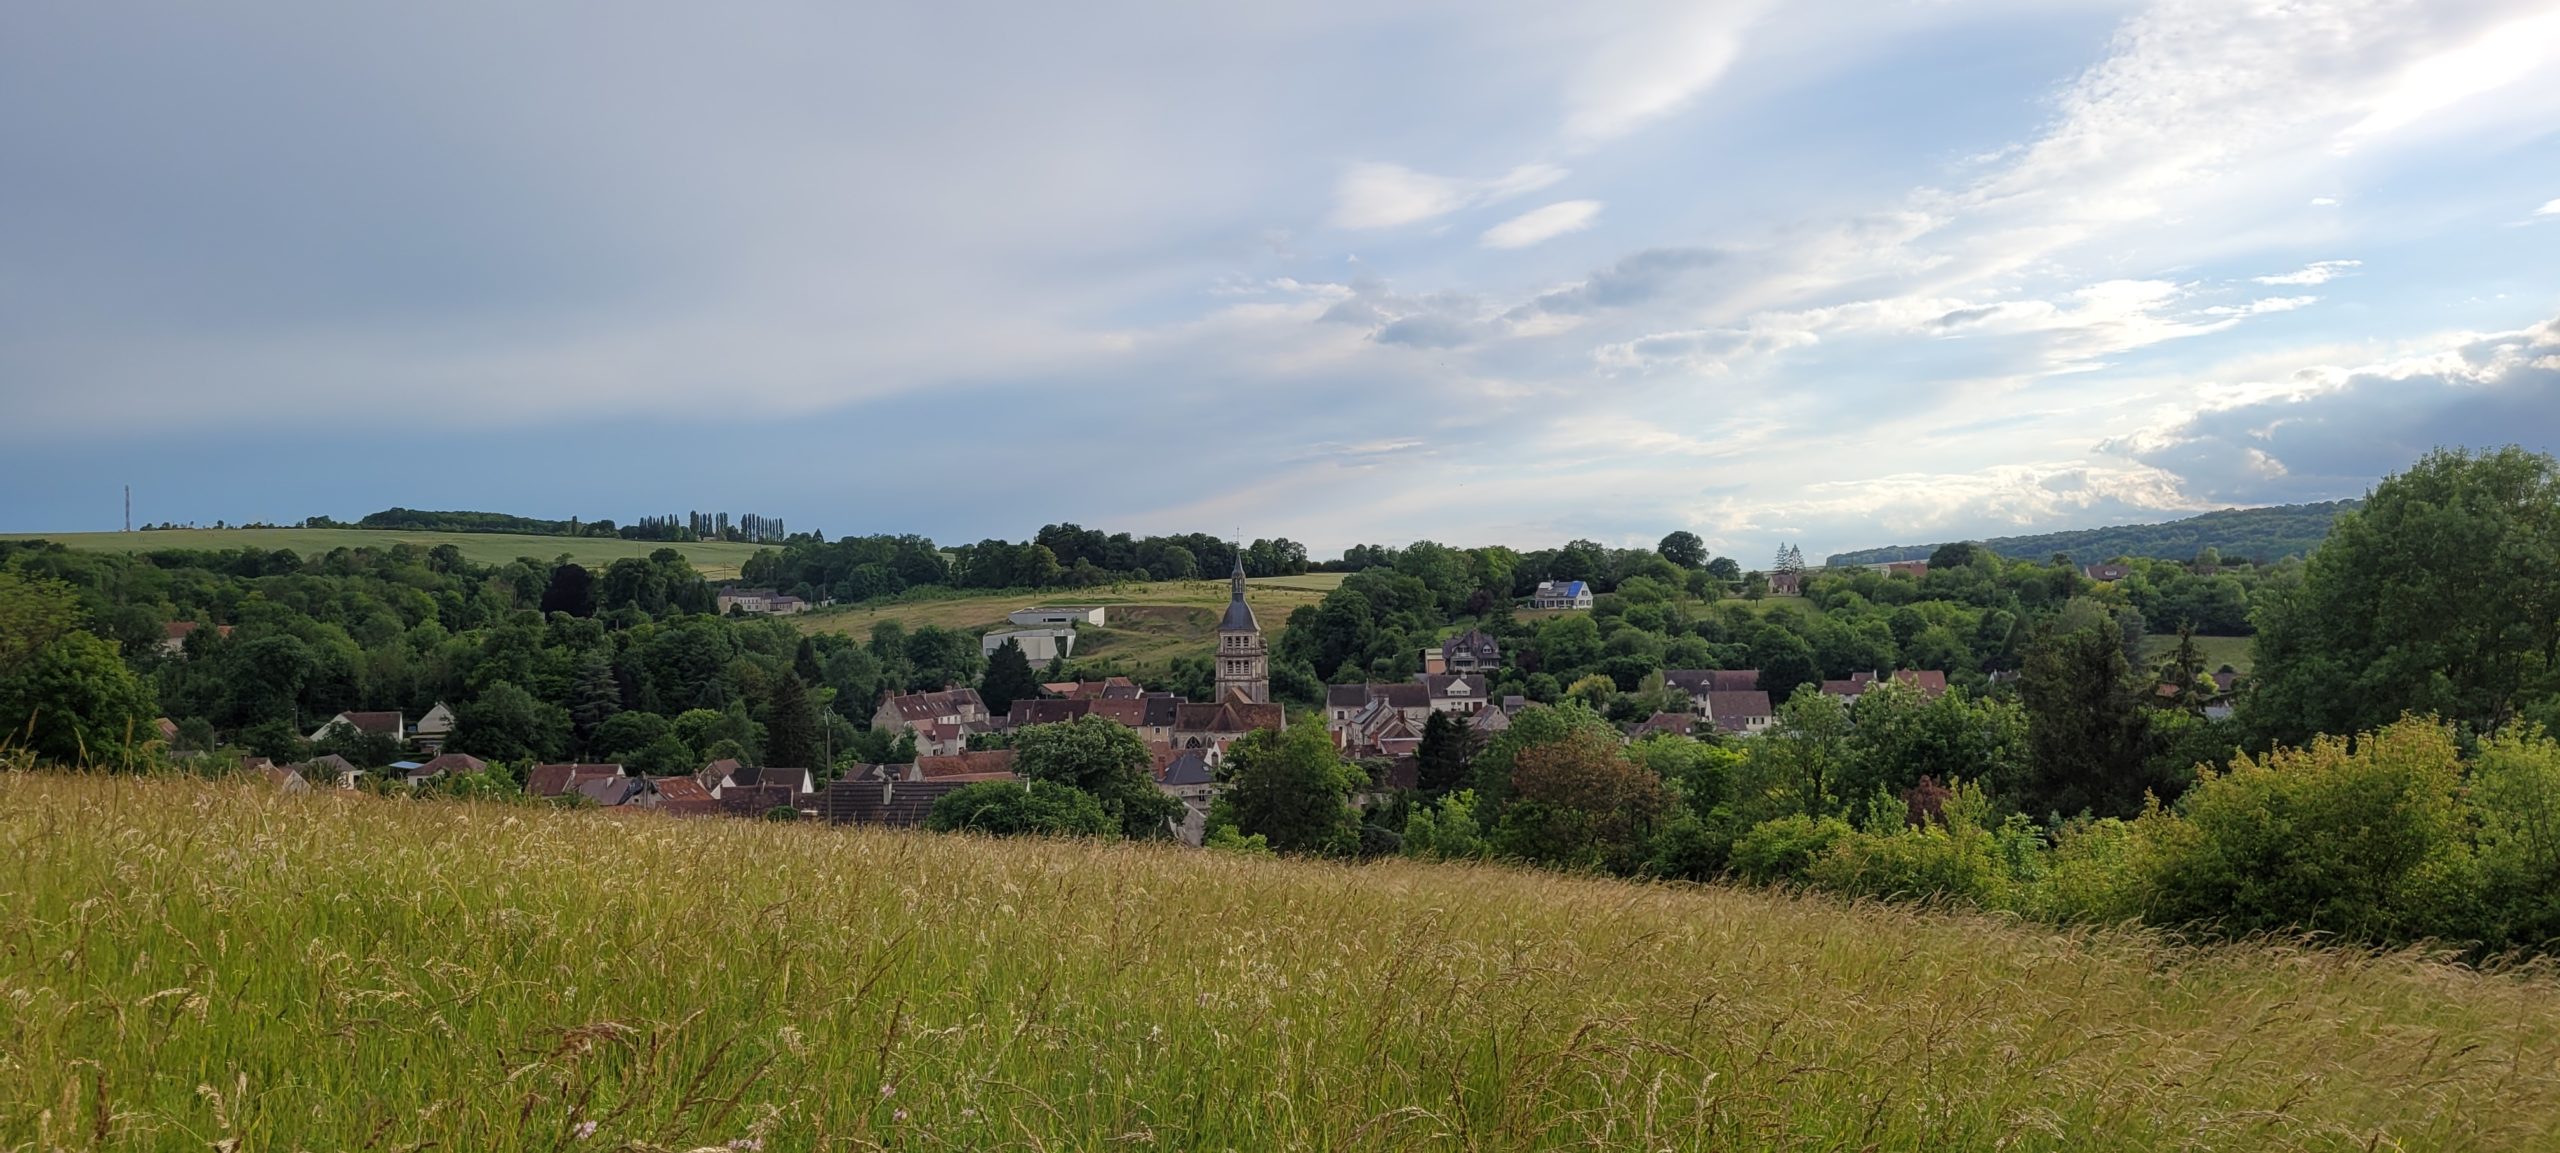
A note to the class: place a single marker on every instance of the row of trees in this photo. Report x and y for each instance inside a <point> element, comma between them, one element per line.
<point>540,662</point>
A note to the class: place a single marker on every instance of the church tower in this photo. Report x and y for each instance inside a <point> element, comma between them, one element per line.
<point>1243,666</point>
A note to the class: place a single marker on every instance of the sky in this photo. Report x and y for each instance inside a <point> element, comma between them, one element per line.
<point>1482,272</point>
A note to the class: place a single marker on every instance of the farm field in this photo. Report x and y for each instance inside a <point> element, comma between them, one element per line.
<point>1148,623</point>
<point>194,964</point>
<point>717,560</point>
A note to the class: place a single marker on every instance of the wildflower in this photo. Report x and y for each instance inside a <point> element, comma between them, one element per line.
<point>585,1130</point>
<point>900,1115</point>
<point>888,1091</point>
<point>748,1143</point>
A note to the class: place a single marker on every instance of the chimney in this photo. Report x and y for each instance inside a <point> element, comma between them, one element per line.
<point>1434,662</point>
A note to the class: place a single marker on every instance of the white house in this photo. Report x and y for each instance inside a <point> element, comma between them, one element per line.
<point>1052,616</point>
<point>431,730</point>
<point>1039,645</point>
<point>1561,595</point>
<point>388,724</point>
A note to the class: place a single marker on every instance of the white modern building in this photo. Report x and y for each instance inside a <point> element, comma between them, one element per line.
<point>1039,645</point>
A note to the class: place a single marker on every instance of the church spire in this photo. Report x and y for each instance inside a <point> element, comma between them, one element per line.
<point>1244,670</point>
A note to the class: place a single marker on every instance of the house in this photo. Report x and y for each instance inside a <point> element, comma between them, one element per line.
<point>277,777</point>
<point>1490,721</point>
<point>1700,682</point>
<point>1931,683</point>
<point>1734,711</point>
<point>1039,646</point>
<point>1661,724</point>
<point>173,635</point>
<point>1213,727</point>
<point>683,797</point>
<point>1787,583</point>
<point>736,776</point>
<point>331,768</point>
<point>1460,693</point>
<point>432,730</point>
<point>1152,715</point>
<point>560,780</point>
<point>1052,616</point>
<point>1106,689</point>
<point>1381,729</point>
<point>384,724</point>
<point>1561,595</point>
<point>1471,651</point>
<point>2106,573</point>
<point>1915,569</point>
<point>758,800</point>
<point>444,763</point>
<point>1046,712</point>
<point>862,800</point>
<point>756,602</point>
<point>610,792</point>
<point>709,776</point>
<point>1186,776</point>
<point>985,764</point>
<point>1345,704</point>
<point>942,722</point>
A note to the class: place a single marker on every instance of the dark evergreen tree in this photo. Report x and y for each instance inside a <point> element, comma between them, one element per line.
<point>790,725</point>
<point>593,699</point>
<point>805,663</point>
<point>1008,678</point>
<point>2088,736</point>
<point>1447,754</point>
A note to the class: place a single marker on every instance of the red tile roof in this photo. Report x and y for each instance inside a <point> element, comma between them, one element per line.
<point>964,764</point>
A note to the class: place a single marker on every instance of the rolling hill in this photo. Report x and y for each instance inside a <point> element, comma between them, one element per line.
<point>2269,534</point>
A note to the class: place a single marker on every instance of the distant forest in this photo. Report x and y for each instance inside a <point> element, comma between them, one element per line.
<point>2264,534</point>
<point>690,527</point>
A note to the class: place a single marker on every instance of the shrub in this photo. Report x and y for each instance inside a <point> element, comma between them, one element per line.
<point>2515,793</point>
<point>2359,838</point>
<point>1784,849</point>
<point>1961,858</point>
<point>2095,872</point>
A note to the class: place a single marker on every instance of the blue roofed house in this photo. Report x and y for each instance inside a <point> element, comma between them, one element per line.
<point>1561,595</point>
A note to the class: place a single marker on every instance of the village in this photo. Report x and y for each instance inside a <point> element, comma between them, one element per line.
<point>1379,725</point>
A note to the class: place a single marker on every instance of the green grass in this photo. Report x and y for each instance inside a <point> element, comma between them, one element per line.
<point>2218,651</point>
<point>1148,623</point>
<point>716,560</point>
<point>191,965</point>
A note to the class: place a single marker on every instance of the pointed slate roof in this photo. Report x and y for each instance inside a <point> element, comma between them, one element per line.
<point>1239,618</point>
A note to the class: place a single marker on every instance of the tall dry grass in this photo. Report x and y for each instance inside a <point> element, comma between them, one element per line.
<point>208,965</point>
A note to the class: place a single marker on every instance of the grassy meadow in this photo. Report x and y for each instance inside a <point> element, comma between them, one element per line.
<point>2218,651</point>
<point>210,965</point>
<point>717,560</point>
<point>1148,623</point>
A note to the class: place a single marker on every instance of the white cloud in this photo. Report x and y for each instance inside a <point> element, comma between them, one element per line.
<point>1539,225</point>
<point>2324,202</point>
<point>1652,63</point>
<point>2316,272</point>
<point>1389,195</point>
<point>2549,208</point>
<point>2496,59</point>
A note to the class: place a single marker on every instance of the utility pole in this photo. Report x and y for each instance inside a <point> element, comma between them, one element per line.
<point>128,508</point>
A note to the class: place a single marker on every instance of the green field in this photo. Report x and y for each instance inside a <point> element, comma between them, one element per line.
<point>717,561</point>
<point>1146,625</point>
<point>2218,651</point>
<point>195,965</point>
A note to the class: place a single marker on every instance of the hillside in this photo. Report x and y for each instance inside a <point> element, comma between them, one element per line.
<point>2239,533</point>
<point>718,561</point>
<point>195,964</point>
<point>1149,622</point>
